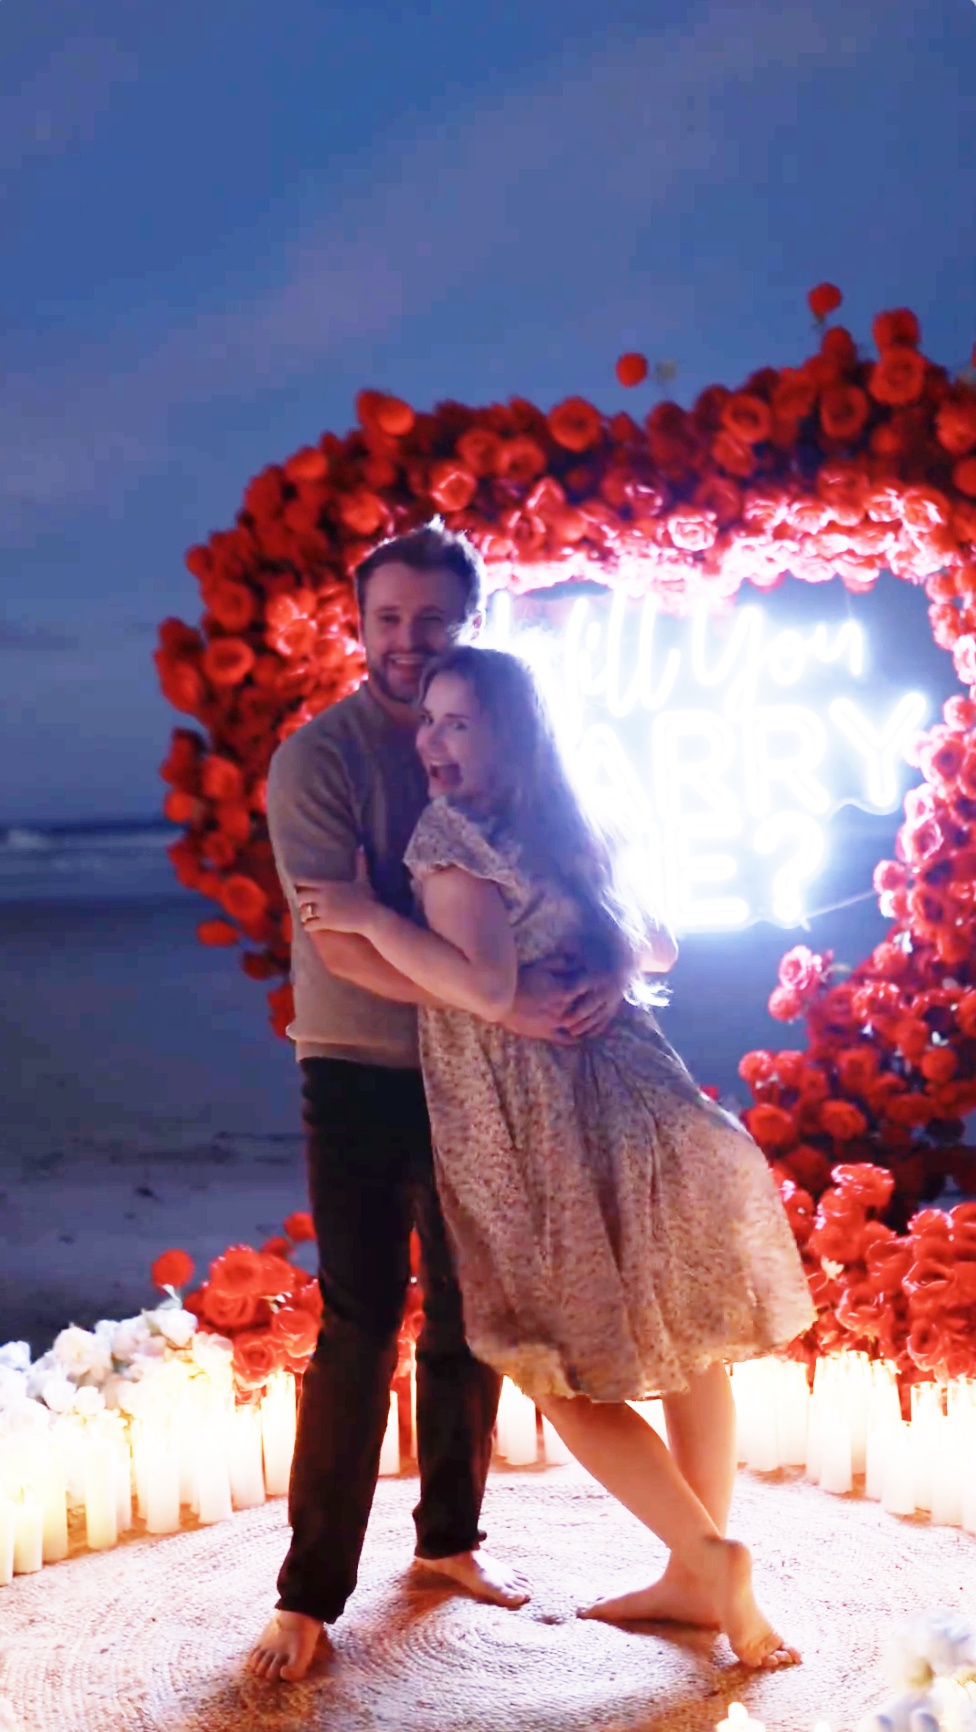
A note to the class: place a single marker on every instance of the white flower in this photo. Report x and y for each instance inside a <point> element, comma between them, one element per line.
<point>25,1417</point>
<point>946,1641</point>
<point>129,1338</point>
<point>212,1351</point>
<point>57,1392</point>
<point>13,1386</point>
<point>39,1371</point>
<point>80,1353</point>
<point>133,1399</point>
<point>176,1326</point>
<point>154,1347</point>
<point>88,1402</point>
<point>15,1355</point>
<point>8,1719</point>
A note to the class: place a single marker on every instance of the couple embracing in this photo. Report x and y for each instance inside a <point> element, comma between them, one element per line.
<point>480,1063</point>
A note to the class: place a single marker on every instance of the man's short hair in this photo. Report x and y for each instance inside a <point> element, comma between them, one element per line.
<point>433,547</point>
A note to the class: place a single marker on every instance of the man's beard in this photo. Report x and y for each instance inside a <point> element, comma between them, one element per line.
<point>378,677</point>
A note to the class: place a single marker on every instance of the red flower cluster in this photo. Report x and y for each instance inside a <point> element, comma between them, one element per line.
<point>909,1298</point>
<point>263,1302</point>
<point>842,465</point>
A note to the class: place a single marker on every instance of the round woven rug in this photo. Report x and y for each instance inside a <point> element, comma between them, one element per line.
<point>152,1635</point>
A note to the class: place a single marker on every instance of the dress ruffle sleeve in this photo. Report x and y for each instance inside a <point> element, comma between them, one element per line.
<point>446,835</point>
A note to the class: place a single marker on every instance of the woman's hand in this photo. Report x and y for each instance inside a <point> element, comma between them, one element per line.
<point>338,907</point>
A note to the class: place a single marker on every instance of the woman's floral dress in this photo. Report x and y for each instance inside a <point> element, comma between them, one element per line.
<point>615,1231</point>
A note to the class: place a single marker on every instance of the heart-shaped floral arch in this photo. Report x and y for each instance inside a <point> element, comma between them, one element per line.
<point>844,466</point>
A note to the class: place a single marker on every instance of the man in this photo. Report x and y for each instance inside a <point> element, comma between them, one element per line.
<point>350,780</point>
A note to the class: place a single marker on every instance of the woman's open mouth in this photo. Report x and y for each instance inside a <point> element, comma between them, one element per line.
<point>443,777</point>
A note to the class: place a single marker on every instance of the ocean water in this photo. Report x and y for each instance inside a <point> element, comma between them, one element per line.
<point>114,861</point>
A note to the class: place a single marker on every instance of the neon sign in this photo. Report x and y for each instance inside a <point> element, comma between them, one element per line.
<point>692,731</point>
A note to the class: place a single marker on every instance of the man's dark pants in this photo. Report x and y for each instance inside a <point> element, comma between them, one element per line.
<point>371,1179</point>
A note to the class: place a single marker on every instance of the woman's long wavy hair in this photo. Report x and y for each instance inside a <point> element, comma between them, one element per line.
<point>538,803</point>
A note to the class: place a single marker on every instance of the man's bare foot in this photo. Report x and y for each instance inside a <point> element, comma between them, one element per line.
<point>286,1647</point>
<point>677,1597</point>
<point>480,1574</point>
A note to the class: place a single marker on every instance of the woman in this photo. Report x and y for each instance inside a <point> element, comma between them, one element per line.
<point>617,1235</point>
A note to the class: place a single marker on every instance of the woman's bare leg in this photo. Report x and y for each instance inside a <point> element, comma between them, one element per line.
<point>620,1450</point>
<point>701,1436</point>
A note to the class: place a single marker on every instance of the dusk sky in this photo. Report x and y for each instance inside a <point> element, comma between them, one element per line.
<point>222,220</point>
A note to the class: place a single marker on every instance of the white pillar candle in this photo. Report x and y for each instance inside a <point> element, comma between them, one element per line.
<point>246,1461</point>
<point>101,1494</point>
<point>28,1535</point>
<point>516,1426</point>
<point>794,1416</point>
<point>762,1442</point>
<point>390,1451</point>
<point>213,1478</point>
<point>554,1449</point>
<point>8,1530</point>
<point>140,1452</point>
<point>858,1398</point>
<point>123,1485</point>
<point>948,1478</point>
<point>52,1492</point>
<point>926,1414</point>
<point>836,1469</point>
<point>743,1397</point>
<point>162,1470</point>
<point>186,1436</point>
<point>898,1482</point>
<point>278,1419</point>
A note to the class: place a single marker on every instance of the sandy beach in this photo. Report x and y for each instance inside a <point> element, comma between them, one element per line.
<point>146,1103</point>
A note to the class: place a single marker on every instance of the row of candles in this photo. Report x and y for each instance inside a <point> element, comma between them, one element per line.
<point>189,1451</point>
<point>851,1425</point>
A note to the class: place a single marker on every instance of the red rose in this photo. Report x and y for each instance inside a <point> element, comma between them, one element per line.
<point>575,424</point>
<point>172,1269</point>
<point>785,1004</point>
<point>758,1067</point>
<point>897,326</point>
<point>899,376</point>
<point>256,1356</point>
<point>300,1226</point>
<point>631,369</point>
<point>772,1128</point>
<point>939,1064</point>
<point>789,1068</point>
<point>228,1310</point>
<point>296,1329</point>
<point>309,1298</point>
<point>802,970</point>
<point>842,1121</point>
<point>277,1246</point>
<point>872,1186</point>
<point>240,1269</point>
<point>278,1277</point>
<point>857,1068</point>
<point>888,1262</point>
<point>824,300</point>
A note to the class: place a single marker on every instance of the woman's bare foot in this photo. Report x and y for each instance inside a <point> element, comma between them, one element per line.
<point>677,1597</point>
<point>727,1574</point>
<point>717,1597</point>
<point>480,1574</point>
<point>286,1647</point>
